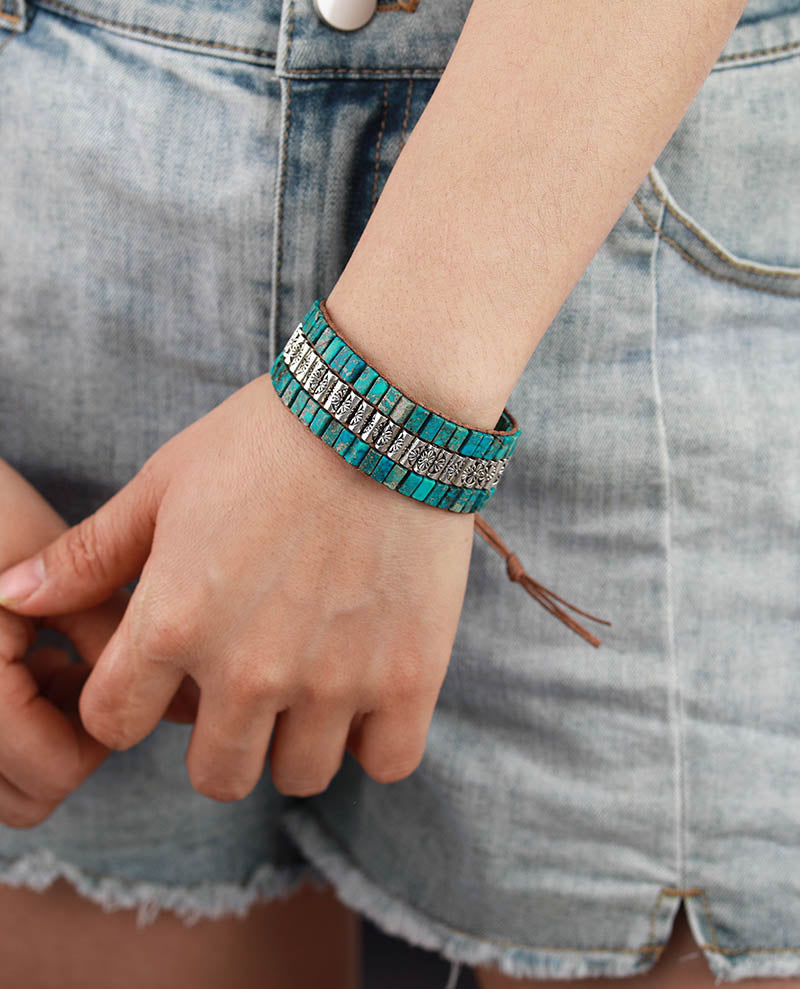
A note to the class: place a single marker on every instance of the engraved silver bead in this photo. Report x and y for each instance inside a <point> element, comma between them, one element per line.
<point>453,469</point>
<point>373,428</point>
<point>412,452</point>
<point>389,431</point>
<point>399,444</point>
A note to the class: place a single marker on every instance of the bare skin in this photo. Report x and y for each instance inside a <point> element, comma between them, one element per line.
<point>60,938</point>
<point>681,966</point>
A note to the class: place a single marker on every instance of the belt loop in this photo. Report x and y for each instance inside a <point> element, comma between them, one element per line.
<point>15,15</point>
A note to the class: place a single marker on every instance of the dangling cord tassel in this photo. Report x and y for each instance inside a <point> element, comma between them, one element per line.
<point>546,598</point>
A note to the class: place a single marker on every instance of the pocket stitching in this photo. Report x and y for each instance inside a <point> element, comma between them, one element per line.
<point>772,271</point>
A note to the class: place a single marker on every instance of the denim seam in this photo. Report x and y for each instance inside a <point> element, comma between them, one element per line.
<point>759,52</point>
<point>381,130</point>
<point>278,238</point>
<point>701,267</point>
<point>765,270</point>
<point>674,694</point>
<point>153,32</point>
<point>403,136</point>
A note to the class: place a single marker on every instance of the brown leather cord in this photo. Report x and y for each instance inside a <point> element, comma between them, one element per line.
<point>545,597</point>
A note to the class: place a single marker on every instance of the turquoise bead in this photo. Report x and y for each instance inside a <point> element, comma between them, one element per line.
<point>409,483</point>
<point>290,391</point>
<point>332,350</point>
<point>388,402</point>
<point>320,421</point>
<point>432,426</point>
<point>332,432</point>
<point>458,436</point>
<point>356,452</point>
<point>370,461</point>
<point>395,476</point>
<point>423,488</point>
<point>444,434</point>
<point>299,402</point>
<point>364,380</point>
<point>384,465</point>
<point>378,390</point>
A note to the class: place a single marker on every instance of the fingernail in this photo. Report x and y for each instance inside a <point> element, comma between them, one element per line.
<point>21,580</point>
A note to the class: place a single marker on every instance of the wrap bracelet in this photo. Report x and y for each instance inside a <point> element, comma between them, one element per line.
<point>374,426</point>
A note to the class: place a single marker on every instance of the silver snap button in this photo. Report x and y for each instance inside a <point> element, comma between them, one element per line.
<point>345,15</point>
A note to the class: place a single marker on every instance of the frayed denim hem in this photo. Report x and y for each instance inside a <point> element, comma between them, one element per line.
<point>462,948</point>
<point>37,870</point>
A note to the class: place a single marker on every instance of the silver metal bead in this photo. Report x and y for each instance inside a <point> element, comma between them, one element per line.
<point>350,401</point>
<point>399,443</point>
<point>358,418</point>
<point>426,459</point>
<point>412,452</point>
<point>298,355</point>
<point>388,432</point>
<point>336,397</point>
<point>443,458</point>
<point>373,428</point>
<point>316,376</point>
<point>323,388</point>
<point>306,363</point>
<point>453,469</point>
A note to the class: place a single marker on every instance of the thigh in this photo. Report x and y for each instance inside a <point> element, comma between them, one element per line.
<point>58,938</point>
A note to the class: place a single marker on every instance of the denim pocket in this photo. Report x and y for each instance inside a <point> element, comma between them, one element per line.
<point>726,182</point>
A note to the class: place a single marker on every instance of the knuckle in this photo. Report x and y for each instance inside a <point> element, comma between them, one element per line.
<point>390,769</point>
<point>298,786</point>
<point>82,549</point>
<point>225,789</point>
<point>166,634</point>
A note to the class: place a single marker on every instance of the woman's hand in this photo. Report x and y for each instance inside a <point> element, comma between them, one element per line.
<point>311,604</point>
<point>45,752</point>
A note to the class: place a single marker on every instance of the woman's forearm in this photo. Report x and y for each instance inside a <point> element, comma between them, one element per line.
<point>545,121</point>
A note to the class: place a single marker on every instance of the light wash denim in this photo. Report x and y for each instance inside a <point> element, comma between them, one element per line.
<point>180,179</point>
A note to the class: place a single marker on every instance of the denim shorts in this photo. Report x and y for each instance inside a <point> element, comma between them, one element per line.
<point>181,179</point>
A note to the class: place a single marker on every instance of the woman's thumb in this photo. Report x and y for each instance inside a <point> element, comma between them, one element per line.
<point>89,561</point>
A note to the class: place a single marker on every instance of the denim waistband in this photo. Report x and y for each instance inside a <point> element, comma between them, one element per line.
<point>405,38</point>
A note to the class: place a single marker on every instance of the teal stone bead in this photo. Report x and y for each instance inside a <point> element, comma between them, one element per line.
<point>310,409</point>
<point>467,448</point>
<point>457,438</point>
<point>342,356</point>
<point>450,497</point>
<point>415,420</point>
<point>299,402</point>
<point>445,432</point>
<point>352,368</point>
<point>343,442</point>
<point>403,407</point>
<point>313,331</point>
<point>423,488</point>
<point>463,501</point>
<point>276,363</point>
<point>370,461</point>
<point>382,468</point>
<point>322,341</point>
<point>377,390</point>
<point>433,424</point>
<point>364,381</point>
<point>395,476</point>
<point>483,445</point>
<point>290,391</point>
<point>409,483</point>
<point>356,452</point>
<point>281,378</point>
<point>437,497</point>
<point>332,350</point>
<point>331,433</point>
<point>389,401</point>
<point>320,421</point>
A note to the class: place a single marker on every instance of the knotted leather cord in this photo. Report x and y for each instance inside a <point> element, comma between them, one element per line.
<point>545,597</point>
